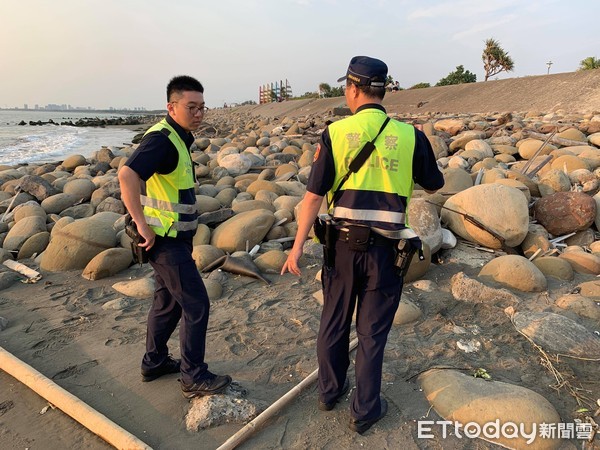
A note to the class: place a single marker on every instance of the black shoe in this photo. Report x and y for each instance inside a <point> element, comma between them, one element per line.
<point>329,406</point>
<point>360,426</point>
<point>170,365</point>
<point>210,386</point>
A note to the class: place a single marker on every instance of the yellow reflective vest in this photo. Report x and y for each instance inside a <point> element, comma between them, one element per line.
<point>162,208</point>
<point>379,192</point>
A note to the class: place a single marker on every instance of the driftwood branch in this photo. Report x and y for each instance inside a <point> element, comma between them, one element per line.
<point>245,432</point>
<point>539,150</point>
<point>555,139</point>
<point>539,167</point>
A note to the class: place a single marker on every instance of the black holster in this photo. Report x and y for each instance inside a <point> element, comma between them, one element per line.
<point>327,235</point>
<point>140,255</point>
<point>405,251</point>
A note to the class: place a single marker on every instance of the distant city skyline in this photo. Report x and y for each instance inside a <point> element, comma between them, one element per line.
<point>67,107</point>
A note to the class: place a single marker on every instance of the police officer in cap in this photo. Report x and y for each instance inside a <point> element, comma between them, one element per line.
<point>369,219</point>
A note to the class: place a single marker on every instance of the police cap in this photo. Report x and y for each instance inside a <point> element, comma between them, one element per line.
<point>366,71</point>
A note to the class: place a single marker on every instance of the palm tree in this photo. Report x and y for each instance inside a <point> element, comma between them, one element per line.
<point>589,63</point>
<point>495,59</point>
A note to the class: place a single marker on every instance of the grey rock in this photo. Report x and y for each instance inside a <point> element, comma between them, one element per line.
<point>38,187</point>
<point>469,290</point>
<point>558,334</point>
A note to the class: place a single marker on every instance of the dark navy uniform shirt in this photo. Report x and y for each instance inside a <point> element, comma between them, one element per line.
<point>425,169</point>
<point>157,154</point>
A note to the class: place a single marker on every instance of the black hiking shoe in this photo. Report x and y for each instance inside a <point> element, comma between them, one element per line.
<point>170,365</point>
<point>213,385</point>
<point>360,426</point>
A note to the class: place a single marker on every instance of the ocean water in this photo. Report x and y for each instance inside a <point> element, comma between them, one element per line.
<point>52,143</point>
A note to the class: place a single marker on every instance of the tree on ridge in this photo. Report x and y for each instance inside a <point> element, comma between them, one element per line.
<point>459,76</point>
<point>495,59</point>
<point>421,85</point>
<point>589,63</point>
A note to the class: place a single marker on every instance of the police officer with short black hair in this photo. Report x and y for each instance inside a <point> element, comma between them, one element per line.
<point>164,210</point>
<point>368,209</point>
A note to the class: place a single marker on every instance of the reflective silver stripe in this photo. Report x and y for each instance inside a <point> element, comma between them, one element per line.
<point>178,226</point>
<point>405,233</point>
<point>168,206</point>
<point>369,215</point>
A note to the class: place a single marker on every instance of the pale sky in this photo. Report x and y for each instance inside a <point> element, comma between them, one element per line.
<point>121,53</point>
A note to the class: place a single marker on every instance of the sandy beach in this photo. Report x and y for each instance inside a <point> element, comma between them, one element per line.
<point>264,336</point>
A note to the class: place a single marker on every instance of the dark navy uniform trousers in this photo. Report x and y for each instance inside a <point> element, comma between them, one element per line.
<point>179,294</point>
<point>369,280</point>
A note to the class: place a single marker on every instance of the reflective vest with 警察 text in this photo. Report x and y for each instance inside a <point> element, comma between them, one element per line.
<point>169,203</point>
<point>378,193</point>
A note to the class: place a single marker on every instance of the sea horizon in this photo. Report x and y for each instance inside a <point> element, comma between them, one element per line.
<point>27,144</point>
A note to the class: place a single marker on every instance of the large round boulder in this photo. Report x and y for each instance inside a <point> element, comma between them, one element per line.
<point>37,186</point>
<point>456,180</point>
<point>564,212</point>
<point>29,209</point>
<point>58,202</point>
<point>293,188</point>
<point>251,205</point>
<point>260,185</point>
<point>515,272</point>
<point>35,245</point>
<point>287,202</point>
<point>558,334</point>
<point>202,235</point>
<point>475,402</point>
<point>580,305</point>
<point>529,147</point>
<point>110,204</point>
<point>554,267</point>
<point>552,181</point>
<point>243,231</point>
<point>236,163</point>
<point>74,245</point>
<point>207,204</point>
<point>271,261</point>
<point>582,262</point>
<point>205,254</point>
<point>80,187</point>
<point>450,126</point>
<point>140,288</point>
<point>536,239</point>
<point>23,230</point>
<point>107,263</point>
<point>501,209</point>
<point>74,161</point>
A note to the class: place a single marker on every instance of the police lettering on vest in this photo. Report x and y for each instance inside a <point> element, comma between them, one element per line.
<point>378,162</point>
<point>379,192</point>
